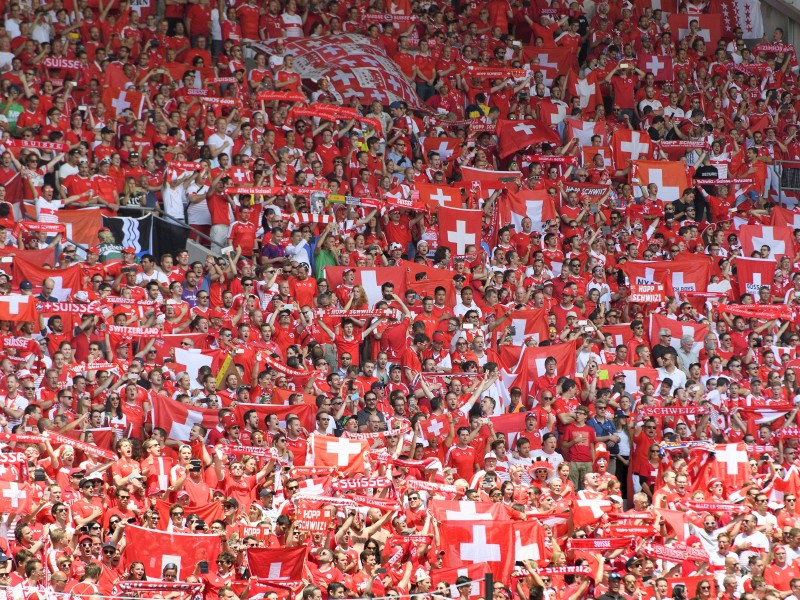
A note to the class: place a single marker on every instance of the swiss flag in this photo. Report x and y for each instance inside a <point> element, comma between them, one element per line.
<point>783,216</point>
<point>584,131</point>
<point>118,100</point>
<point>278,564</point>
<point>435,427</point>
<point>659,66</point>
<point>446,511</point>
<point>156,549</point>
<point>529,323</point>
<point>178,418</point>
<point>439,195</point>
<point>687,273</point>
<point>460,228</point>
<point>516,135</point>
<point>371,280</point>
<point>538,205</point>
<point>17,308</point>
<point>676,521</point>
<point>534,357</point>
<point>557,58</point>
<point>512,426</point>
<point>552,114</point>
<point>345,454</point>
<point>240,175</point>
<point>788,484</point>
<point>678,330</point>
<point>498,544</point>
<point>628,145</point>
<point>445,146</point>
<point>426,286</point>
<point>488,178</point>
<point>68,281</point>
<point>710,27</point>
<point>587,89</point>
<point>729,464</point>
<point>780,240</point>
<point>475,572</point>
<point>752,273</point>
<point>669,176</point>
<point>606,374</point>
<point>621,334</point>
<point>14,497</point>
<point>588,508</point>
<point>589,152</point>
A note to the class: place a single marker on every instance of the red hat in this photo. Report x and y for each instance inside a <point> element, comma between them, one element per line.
<point>93,250</point>
<point>600,450</point>
<point>230,420</point>
<point>129,250</point>
<point>24,374</point>
<point>84,538</point>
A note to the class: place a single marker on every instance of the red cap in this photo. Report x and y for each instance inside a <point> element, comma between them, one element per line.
<point>129,250</point>
<point>93,250</point>
<point>229,421</point>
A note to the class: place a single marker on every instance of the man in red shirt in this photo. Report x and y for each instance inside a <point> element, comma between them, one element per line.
<point>303,288</point>
<point>243,233</point>
<point>462,456</point>
<point>579,441</point>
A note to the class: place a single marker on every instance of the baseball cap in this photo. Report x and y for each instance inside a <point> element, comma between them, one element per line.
<point>231,502</point>
<point>93,250</point>
<point>25,285</point>
<point>129,250</point>
<point>395,246</point>
<point>229,421</point>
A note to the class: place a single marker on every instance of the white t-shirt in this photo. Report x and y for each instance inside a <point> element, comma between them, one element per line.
<point>47,210</point>
<point>216,140</point>
<point>174,200</point>
<point>198,213</point>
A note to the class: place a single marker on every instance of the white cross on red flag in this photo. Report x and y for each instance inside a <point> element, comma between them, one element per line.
<point>497,543</point>
<point>118,100</point>
<point>779,240</point>
<point>277,564</point>
<point>156,549</point>
<point>516,135</point>
<point>660,66</point>
<point>18,308</point>
<point>346,454</point>
<point>628,145</point>
<point>14,497</point>
<point>459,228</point>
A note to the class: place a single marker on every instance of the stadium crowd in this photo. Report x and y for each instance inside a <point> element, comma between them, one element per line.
<point>524,386</point>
